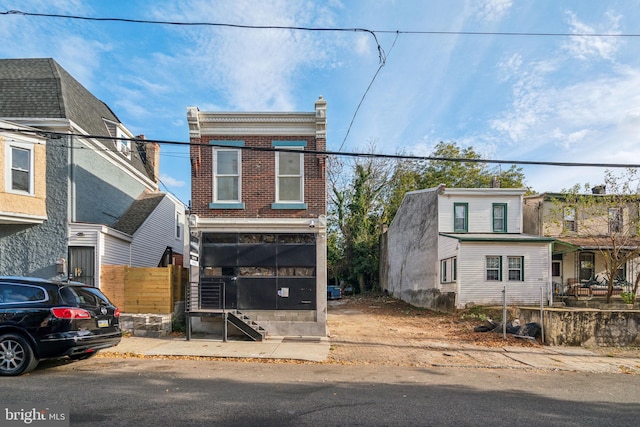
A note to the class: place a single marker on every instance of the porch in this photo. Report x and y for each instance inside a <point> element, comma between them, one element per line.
<point>579,267</point>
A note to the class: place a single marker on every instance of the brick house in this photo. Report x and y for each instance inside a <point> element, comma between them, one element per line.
<point>258,221</point>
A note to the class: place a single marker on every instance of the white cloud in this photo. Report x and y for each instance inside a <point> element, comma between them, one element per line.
<point>255,68</point>
<point>492,10</point>
<point>587,47</point>
<point>170,181</point>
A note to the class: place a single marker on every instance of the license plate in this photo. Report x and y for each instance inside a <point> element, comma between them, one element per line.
<point>103,323</point>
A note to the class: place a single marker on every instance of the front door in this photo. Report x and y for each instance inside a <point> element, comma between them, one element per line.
<point>82,264</point>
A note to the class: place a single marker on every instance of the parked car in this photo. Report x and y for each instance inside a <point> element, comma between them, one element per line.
<point>334,292</point>
<point>43,319</point>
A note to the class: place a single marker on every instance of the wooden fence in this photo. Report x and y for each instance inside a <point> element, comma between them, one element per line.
<point>144,290</point>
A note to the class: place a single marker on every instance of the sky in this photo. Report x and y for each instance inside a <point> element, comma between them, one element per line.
<point>559,98</point>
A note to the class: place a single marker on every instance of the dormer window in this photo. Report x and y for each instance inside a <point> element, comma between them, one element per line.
<point>122,142</point>
<point>123,145</point>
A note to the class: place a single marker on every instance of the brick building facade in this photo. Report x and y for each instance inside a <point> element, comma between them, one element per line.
<point>258,219</point>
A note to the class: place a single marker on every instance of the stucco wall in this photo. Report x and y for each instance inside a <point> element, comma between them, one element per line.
<point>103,190</point>
<point>33,250</point>
<point>589,327</point>
<point>412,253</point>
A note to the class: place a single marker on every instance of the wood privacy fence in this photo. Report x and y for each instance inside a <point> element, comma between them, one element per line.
<point>144,290</point>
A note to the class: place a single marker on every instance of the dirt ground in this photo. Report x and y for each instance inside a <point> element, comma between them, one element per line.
<point>377,329</point>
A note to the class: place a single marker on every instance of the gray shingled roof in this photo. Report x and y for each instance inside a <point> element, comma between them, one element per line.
<point>138,212</point>
<point>41,88</point>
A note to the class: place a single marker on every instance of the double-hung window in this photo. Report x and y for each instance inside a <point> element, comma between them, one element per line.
<point>494,268</point>
<point>615,220</point>
<point>461,217</point>
<point>20,169</point>
<point>516,268</point>
<point>499,218</point>
<point>569,220</point>
<point>289,175</point>
<point>227,175</point>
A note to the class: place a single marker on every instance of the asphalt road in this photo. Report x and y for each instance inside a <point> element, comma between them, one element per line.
<point>144,392</point>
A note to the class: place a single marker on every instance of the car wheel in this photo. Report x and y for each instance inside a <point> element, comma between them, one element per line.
<point>16,355</point>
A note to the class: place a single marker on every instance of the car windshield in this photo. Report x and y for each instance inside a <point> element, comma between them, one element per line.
<point>76,295</point>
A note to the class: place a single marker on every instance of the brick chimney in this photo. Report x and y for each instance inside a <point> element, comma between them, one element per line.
<point>150,155</point>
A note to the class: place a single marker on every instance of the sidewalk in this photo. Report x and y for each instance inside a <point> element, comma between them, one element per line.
<point>314,349</point>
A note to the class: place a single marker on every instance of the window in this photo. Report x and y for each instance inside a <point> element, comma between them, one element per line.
<point>569,220</point>
<point>11,294</point>
<point>178,225</point>
<point>455,269</point>
<point>516,268</point>
<point>289,175</point>
<point>21,169</point>
<point>587,266</point>
<point>621,273</point>
<point>19,172</point>
<point>615,220</point>
<point>289,167</point>
<point>226,175</point>
<point>499,218</point>
<point>460,217</point>
<point>448,270</point>
<point>494,268</point>
<point>123,145</point>
<point>443,271</point>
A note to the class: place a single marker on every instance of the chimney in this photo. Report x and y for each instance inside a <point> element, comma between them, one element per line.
<point>150,155</point>
<point>599,189</point>
<point>495,182</point>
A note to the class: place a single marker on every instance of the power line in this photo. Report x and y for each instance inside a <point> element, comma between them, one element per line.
<point>326,29</point>
<point>355,113</point>
<point>336,153</point>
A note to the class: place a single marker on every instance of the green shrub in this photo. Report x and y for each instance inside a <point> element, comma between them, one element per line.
<point>628,297</point>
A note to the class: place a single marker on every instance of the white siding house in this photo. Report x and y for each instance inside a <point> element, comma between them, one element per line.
<point>148,244</point>
<point>477,250</point>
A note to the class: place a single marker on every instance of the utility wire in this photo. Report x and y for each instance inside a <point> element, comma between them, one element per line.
<point>355,113</point>
<point>337,29</point>
<point>334,153</point>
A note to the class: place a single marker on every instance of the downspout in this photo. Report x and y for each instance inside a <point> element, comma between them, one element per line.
<point>72,183</point>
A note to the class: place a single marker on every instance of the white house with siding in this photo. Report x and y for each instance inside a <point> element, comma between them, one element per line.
<point>451,247</point>
<point>150,231</point>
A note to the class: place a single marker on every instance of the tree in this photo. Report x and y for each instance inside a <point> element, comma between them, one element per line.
<point>355,221</point>
<point>420,174</point>
<point>366,197</point>
<point>610,222</point>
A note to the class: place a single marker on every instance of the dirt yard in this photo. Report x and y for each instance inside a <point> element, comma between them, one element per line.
<point>377,329</point>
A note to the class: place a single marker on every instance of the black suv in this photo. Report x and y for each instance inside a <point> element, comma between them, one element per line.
<point>41,319</point>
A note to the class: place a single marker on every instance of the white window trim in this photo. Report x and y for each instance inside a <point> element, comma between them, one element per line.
<point>123,145</point>
<point>498,269</point>
<point>9,164</point>
<point>301,176</point>
<point>448,270</point>
<point>521,269</point>
<point>216,175</point>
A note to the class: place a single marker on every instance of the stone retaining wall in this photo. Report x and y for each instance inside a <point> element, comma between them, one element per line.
<point>146,325</point>
<point>586,326</point>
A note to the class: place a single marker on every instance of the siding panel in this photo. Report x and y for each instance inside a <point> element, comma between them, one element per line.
<point>474,288</point>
